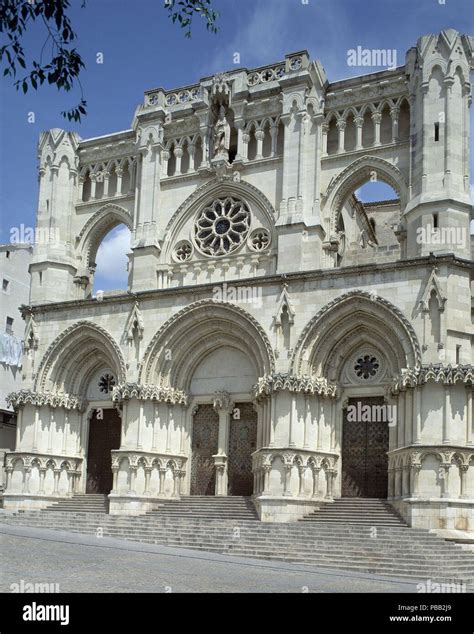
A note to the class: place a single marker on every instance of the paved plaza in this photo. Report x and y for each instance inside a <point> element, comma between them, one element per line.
<point>80,563</point>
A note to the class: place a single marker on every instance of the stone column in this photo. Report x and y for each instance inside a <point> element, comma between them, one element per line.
<point>469,416</point>
<point>376,118</point>
<point>161,491</point>
<point>93,178</point>
<point>391,484</point>
<point>266,479</point>
<point>341,126</point>
<point>70,482</point>
<point>52,430</point>
<point>259,136</point>
<point>147,481</point>
<point>223,405</point>
<point>415,472</point>
<point>405,481</point>
<point>401,419</point>
<point>66,431</point>
<point>286,479</point>
<point>165,157</point>
<point>8,473</point>
<point>19,424</point>
<point>139,426</point>
<point>330,473</point>
<point>119,172</point>
<point>178,153</point>
<point>324,138</point>
<point>445,466</point>
<point>316,471</point>
<point>274,136</point>
<point>57,473</point>
<point>417,406</point>
<point>106,184</point>
<point>463,469</point>
<point>301,473</point>
<point>42,474</point>
<point>358,122</point>
<point>26,480</point>
<point>398,482</point>
<point>115,472</point>
<point>395,113</point>
<point>448,132</point>
<point>446,414</point>
<point>133,473</point>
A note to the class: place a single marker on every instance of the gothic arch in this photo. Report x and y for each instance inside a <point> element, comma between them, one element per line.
<point>73,355</point>
<point>182,342</point>
<point>356,174</point>
<point>96,227</point>
<point>217,188</point>
<point>355,318</point>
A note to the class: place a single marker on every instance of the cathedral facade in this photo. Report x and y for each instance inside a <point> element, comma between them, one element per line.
<point>279,338</point>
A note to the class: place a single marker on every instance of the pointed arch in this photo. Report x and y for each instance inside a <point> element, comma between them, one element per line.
<point>78,351</point>
<point>352,319</point>
<point>356,174</point>
<point>183,341</point>
<point>217,188</point>
<point>97,227</point>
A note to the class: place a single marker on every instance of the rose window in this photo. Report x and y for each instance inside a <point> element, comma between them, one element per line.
<point>222,226</point>
<point>366,366</point>
<point>106,383</point>
<point>259,240</point>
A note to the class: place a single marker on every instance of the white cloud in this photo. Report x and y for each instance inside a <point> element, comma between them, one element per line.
<point>260,41</point>
<point>112,259</point>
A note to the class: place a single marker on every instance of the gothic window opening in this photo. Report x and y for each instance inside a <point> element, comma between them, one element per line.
<point>222,226</point>
<point>106,383</point>
<point>366,366</point>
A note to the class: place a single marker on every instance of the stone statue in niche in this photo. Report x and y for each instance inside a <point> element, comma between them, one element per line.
<point>221,136</point>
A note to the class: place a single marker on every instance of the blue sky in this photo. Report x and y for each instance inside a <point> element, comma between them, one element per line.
<point>143,50</point>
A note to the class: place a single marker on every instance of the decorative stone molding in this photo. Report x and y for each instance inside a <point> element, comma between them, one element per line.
<point>57,346</point>
<point>271,383</point>
<point>148,459</point>
<point>161,394</point>
<point>361,93</point>
<point>446,375</point>
<point>303,343</point>
<point>263,458</point>
<point>222,401</point>
<point>208,308</point>
<point>45,398</point>
<point>351,177</point>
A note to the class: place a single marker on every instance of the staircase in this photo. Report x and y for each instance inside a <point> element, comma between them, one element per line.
<point>82,503</point>
<point>207,507</point>
<point>217,525</point>
<point>358,511</point>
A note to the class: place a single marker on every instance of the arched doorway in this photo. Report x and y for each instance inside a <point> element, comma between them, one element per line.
<point>224,431</point>
<point>103,438</point>
<point>364,447</point>
<point>360,341</point>
<point>219,352</point>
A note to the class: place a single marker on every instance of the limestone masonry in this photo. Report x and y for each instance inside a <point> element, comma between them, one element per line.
<point>279,338</point>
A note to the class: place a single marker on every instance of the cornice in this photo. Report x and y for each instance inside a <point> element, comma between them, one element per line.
<point>264,280</point>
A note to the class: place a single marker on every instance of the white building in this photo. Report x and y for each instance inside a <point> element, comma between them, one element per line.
<point>279,339</point>
<point>15,291</point>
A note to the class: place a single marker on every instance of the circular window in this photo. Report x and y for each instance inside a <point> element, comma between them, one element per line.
<point>366,366</point>
<point>106,383</point>
<point>259,240</point>
<point>183,251</point>
<point>222,226</point>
